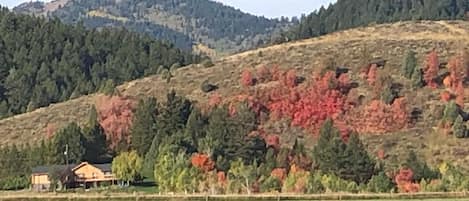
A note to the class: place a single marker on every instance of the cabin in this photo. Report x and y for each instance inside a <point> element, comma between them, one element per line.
<point>40,180</point>
<point>93,174</point>
<point>84,175</point>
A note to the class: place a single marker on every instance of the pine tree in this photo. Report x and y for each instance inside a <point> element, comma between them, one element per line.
<point>417,78</point>
<point>174,114</point>
<point>94,140</point>
<point>348,161</point>
<point>420,168</point>
<point>71,136</point>
<point>327,152</point>
<point>459,129</point>
<point>143,128</point>
<point>361,166</point>
<point>409,65</point>
<point>195,127</point>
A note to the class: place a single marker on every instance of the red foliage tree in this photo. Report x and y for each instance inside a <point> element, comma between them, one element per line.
<point>445,96</point>
<point>290,78</point>
<point>308,106</point>
<point>221,176</point>
<point>404,181</point>
<point>115,116</point>
<point>273,141</point>
<point>214,100</point>
<point>263,74</point>
<point>279,173</point>
<point>50,130</point>
<point>431,69</point>
<point>247,79</point>
<point>203,162</point>
<point>458,67</point>
<point>379,117</point>
<point>372,75</point>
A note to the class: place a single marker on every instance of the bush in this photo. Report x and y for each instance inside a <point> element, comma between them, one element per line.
<point>333,183</point>
<point>314,185</point>
<point>459,129</point>
<point>208,63</point>
<point>207,87</point>
<point>380,184</point>
<point>271,184</point>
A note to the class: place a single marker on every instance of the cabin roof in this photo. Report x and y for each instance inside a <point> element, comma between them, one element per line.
<point>46,169</point>
<point>103,167</point>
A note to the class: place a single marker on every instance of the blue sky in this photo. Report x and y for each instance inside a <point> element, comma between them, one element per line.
<point>268,8</point>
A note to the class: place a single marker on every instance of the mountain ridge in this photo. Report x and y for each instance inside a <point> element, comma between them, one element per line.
<point>185,23</point>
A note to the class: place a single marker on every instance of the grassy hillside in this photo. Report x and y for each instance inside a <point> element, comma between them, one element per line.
<point>349,49</point>
<point>350,14</point>
<point>182,22</point>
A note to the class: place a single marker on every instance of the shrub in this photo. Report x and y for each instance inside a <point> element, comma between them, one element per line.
<point>459,129</point>
<point>380,184</point>
<point>247,78</point>
<point>333,183</point>
<point>270,184</point>
<point>207,87</point>
<point>314,185</point>
<point>208,63</point>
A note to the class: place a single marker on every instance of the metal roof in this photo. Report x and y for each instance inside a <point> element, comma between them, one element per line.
<point>46,169</point>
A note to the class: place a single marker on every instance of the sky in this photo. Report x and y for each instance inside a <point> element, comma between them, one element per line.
<point>267,8</point>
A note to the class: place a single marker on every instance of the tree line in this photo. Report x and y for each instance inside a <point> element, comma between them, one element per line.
<point>182,22</point>
<point>45,61</point>
<point>345,14</point>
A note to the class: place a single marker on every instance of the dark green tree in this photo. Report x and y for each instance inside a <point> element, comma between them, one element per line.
<point>143,128</point>
<point>409,64</point>
<point>420,168</point>
<point>68,144</point>
<point>417,78</point>
<point>349,161</point>
<point>459,129</point>
<point>94,140</point>
<point>359,165</point>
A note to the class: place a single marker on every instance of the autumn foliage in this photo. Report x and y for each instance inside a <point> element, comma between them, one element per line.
<point>115,116</point>
<point>247,79</point>
<point>372,75</point>
<point>203,162</point>
<point>404,181</point>
<point>279,173</point>
<point>379,117</point>
<point>445,96</point>
<point>432,65</point>
<point>458,67</point>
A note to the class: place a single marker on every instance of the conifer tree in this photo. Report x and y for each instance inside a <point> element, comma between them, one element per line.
<point>68,145</point>
<point>409,65</point>
<point>347,160</point>
<point>417,78</point>
<point>94,140</point>
<point>143,128</point>
<point>459,129</point>
<point>361,166</point>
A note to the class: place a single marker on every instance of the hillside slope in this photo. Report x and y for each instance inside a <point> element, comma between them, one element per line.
<point>350,14</point>
<point>182,22</point>
<point>347,48</point>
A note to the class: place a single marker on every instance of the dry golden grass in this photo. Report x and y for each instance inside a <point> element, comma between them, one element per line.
<point>100,13</point>
<point>346,48</point>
